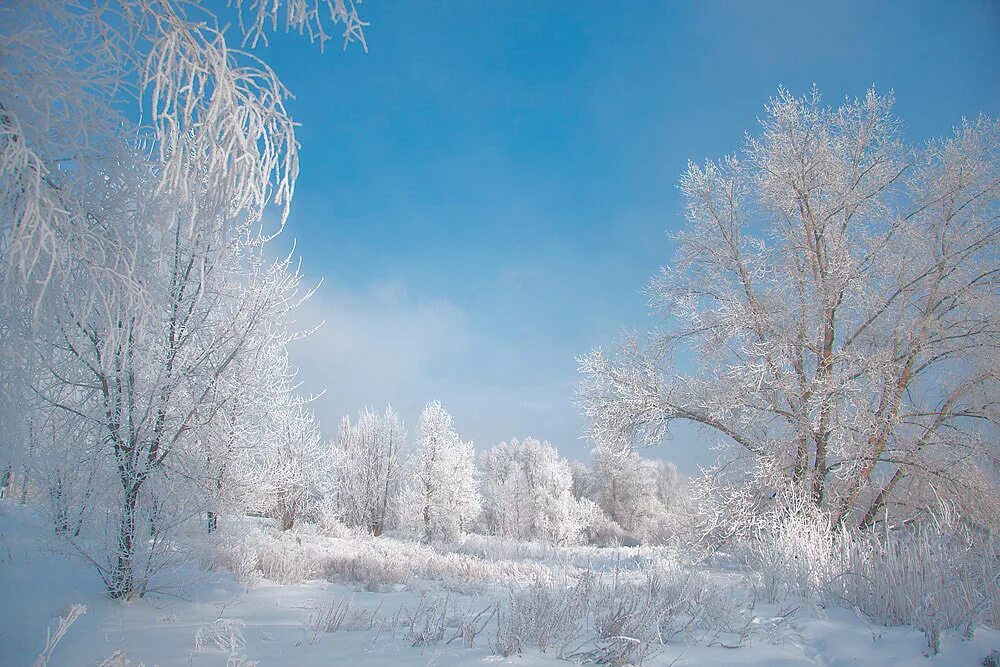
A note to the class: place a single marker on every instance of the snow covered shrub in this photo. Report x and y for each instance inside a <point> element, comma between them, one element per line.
<point>371,567</point>
<point>52,638</point>
<point>472,623</point>
<point>935,575</point>
<point>252,551</point>
<point>597,527</point>
<point>437,620</point>
<point>427,623</point>
<point>118,659</point>
<point>668,603</point>
<point>327,514</point>
<point>621,617</point>
<point>287,564</point>
<point>236,554</point>
<point>547,616</point>
<point>494,549</point>
<point>794,551</point>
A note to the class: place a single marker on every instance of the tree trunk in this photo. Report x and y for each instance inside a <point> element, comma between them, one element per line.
<point>288,518</point>
<point>62,512</point>
<point>123,576</point>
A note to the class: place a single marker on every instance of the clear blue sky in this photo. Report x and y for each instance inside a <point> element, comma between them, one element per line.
<point>487,190</point>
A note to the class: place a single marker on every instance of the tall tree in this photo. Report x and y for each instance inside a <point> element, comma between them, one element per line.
<point>138,153</point>
<point>628,489</point>
<point>838,292</point>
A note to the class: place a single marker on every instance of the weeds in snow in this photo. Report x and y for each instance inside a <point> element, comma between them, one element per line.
<point>935,576</point>
<point>339,615</point>
<point>225,634</point>
<point>52,638</point>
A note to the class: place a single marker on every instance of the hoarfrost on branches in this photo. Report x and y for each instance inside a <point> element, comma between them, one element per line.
<point>838,290</point>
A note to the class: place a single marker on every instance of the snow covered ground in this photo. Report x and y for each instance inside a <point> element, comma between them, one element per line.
<point>208,617</point>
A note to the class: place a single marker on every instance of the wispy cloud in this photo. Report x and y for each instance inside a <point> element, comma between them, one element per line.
<point>382,344</point>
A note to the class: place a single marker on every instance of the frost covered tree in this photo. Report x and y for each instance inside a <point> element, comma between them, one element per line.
<point>584,483</point>
<point>260,384</point>
<point>837,291</point>
<point>293,468</point>
<point>527,492</point>
<point>152,378</point>
<point>368,459</point>
<point>128,247</point>
<point>442,497</point>
<point>627,488</point>
<point>668,481</point>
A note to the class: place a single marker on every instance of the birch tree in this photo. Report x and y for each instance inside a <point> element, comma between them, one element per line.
<point>139,150</point>
<point>84,84</point>
<point>293,467</point>
<point>836,291</point>
<point>155,376</point>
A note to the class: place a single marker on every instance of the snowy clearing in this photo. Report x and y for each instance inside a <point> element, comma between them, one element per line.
<point>281,623</point>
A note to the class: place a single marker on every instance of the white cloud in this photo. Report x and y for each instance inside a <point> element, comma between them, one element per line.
<point>377,344</point>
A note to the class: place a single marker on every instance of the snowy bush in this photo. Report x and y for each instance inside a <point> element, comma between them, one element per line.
<point>438,619</point>
<point>427,624</point>
<point>620,617</point>
<point>328,518</point>
<point>305,553</point>
<point>225,634</point>
<point>338,615</point>
<point>52,638</point>
<point>935,575</point>
<point>793,550</point>
<point>370,568</point>
<point>598,528</point>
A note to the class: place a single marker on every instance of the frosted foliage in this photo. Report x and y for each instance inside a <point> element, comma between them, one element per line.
<point>84,87</point>
<point>148,397</point>
<point>527,489</point>
<point>442,495</point>
<point>838,292</point>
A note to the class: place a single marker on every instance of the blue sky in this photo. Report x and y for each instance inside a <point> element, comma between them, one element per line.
<point>486,192</point>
